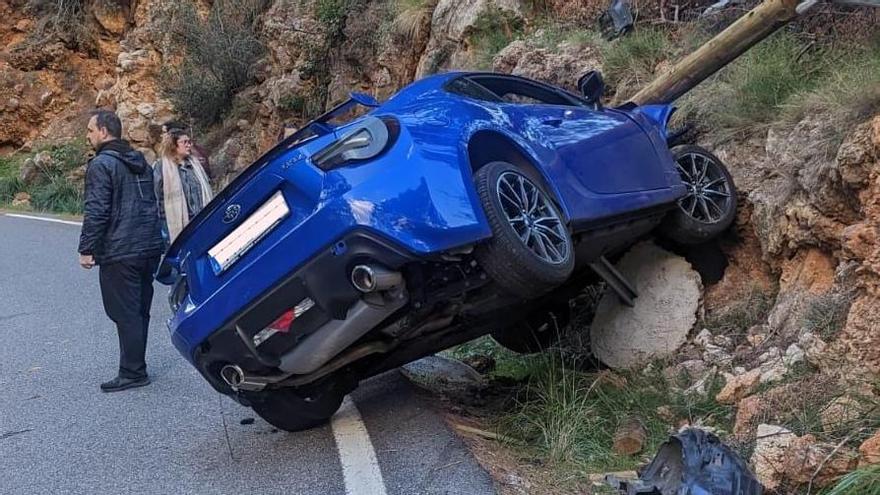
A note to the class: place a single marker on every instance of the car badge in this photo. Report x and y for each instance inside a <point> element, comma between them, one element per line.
<point>231,213</point>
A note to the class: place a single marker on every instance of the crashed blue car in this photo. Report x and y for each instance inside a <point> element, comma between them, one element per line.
<point>466,204</point>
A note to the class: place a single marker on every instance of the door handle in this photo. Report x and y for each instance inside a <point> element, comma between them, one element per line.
<point>552,122</point>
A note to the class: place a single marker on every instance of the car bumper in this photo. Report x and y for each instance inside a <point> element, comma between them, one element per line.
<point>325,280</point>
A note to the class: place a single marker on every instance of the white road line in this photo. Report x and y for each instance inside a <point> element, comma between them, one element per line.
<point>45,219</point>
<point>360,468</point>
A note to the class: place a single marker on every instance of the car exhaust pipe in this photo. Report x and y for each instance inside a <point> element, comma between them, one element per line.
<point>237,380</point>
<point>370,278</point>
<point>232,375</point>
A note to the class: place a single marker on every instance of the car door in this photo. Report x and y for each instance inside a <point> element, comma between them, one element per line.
<point>604,150</point>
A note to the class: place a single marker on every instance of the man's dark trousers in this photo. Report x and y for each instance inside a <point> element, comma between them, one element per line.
<point>127,290</point>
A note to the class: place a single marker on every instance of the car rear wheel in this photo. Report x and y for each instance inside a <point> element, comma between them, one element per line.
<point>296,410</point>
<point>531,250</point>
<point>709,207</point>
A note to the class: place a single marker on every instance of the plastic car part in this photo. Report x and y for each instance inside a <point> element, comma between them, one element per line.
<point>693,462</point>
<point>364,142</point>
<point>617,20</point>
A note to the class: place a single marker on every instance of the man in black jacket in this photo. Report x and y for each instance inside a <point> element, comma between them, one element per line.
<point>120,233</point>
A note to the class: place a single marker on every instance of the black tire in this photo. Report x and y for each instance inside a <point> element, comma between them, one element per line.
<point>710,206</point>
<point>545,258</point>
<point>537,332</point>
<point>294,410</point>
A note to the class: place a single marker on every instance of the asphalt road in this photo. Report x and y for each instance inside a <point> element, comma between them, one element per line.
<point>60,434</point>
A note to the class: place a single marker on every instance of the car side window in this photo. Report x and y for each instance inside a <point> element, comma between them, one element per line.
<point>521,91</point>
<point>465,87</point>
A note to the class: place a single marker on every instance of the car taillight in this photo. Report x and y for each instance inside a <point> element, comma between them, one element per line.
<point>283,323</point>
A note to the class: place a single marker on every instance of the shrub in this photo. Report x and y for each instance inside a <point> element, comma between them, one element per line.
<point>218,58</point>
<point>413,18</point>
<point>9,187</point>
<point>493,30</point>
<point>62,19</point>
<point>58,195</point>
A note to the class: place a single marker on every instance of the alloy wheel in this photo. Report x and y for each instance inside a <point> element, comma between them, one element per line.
<point>708,199</point>
<point>531,215</point>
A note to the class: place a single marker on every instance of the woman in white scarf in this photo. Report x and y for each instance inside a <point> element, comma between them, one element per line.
<point>182,186</point>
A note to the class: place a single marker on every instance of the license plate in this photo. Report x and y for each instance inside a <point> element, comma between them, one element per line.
<point>229,250</point>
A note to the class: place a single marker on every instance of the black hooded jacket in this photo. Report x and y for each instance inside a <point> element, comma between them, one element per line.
<point>120,218</point>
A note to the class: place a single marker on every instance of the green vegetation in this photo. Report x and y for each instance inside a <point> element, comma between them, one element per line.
<point>787,78</point>
<point>826,314</point>
<point>629,62</point>
<point>52,189</point>
<point>494,29</point>
<point>749,310</point>
<point>570,417</point>
<point>864,481</point>
<point>218,58</point>
<point>61,19</point>
<point>413,18</point>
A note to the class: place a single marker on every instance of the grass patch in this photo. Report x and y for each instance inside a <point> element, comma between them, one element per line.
<point>749,310</point>
<point>865,481</point>
<point>508,365</point>
<point>413,18</point>
<point>569,417</point>
<point>551,35</point>
<point>786,78</point>
<point>629,62</point>
<point>494,29</point>
<point>826,314</point>
<point>52,190</point>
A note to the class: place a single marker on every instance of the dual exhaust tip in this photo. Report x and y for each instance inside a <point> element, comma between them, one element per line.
<point>371,278</point>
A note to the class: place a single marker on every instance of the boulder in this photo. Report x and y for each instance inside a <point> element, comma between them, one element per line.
<point>809,461</point>
<point>21,200</point>
<point>770,454</point>
<point>739,387</point>
<point>869,451</point>
<point>443,375</point>
<point>665,310</point>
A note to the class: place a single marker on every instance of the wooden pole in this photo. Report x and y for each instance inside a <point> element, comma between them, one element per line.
<point>748,30</point>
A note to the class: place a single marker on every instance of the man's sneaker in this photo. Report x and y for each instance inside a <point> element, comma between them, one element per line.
<point>119,383</point>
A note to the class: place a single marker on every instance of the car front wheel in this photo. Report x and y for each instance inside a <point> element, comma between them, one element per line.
<point>709,207</point>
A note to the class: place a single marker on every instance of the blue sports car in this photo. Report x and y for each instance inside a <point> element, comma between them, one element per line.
<point>466,204</point>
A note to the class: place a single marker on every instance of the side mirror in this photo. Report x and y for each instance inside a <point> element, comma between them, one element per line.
<point>364,99</point>
<point>592,86</point>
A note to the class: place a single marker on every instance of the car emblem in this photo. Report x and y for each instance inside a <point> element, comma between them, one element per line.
<point>231,213</point>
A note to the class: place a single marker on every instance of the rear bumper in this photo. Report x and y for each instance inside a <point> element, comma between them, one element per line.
<point>325,279</point>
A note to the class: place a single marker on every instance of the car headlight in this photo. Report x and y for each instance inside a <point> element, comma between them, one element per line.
<point>367,140</point>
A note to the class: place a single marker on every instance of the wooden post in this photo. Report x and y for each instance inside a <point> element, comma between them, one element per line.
<point>748,30</point>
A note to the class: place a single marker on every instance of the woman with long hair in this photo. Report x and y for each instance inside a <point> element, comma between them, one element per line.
<point>182,186</point>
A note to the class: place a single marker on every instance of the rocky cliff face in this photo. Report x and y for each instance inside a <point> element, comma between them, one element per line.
<point>807,232</point>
